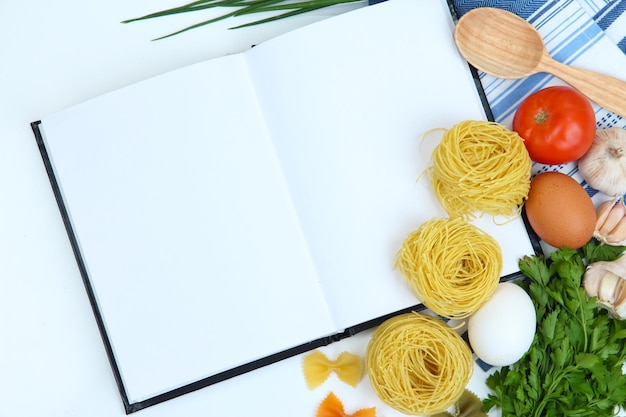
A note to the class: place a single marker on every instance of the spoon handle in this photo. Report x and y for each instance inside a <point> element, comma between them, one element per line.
<point>606,91</point>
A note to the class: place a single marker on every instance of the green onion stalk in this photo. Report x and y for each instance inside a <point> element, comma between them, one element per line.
<point>241,8</point>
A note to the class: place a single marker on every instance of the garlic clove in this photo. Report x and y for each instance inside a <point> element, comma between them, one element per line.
<point>592,279</point>
<point>610,222</point>
<point>607,282</point>
<point>608,287</point>
<point>603,210</point>
<point>619,288</point>
<point>616,214</point>
<point>618,311</point>
<point>618,234</point>
<point>620,297</point>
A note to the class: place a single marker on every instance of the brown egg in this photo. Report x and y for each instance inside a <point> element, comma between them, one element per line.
<point>560,211</point>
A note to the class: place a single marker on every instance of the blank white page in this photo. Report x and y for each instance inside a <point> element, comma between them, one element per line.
<point>364,88</point>
<point>186,226</point>
<point>218,226</point>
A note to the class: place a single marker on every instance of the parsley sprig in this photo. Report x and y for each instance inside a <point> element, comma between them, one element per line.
<point>574,365</point>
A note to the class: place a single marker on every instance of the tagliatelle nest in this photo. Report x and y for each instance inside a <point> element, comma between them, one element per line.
<point>452,266</point>
<point>417,364</point>
<point>480,167</point>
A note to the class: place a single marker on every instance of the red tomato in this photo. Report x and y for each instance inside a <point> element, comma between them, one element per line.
<point>557,124</point>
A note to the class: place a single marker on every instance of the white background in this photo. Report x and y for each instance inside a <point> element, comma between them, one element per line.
<point>52,361</point>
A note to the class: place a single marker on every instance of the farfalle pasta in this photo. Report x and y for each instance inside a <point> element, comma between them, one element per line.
<point>333,407</point>
<point>317,368</point>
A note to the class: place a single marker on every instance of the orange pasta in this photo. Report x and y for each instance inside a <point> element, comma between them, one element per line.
<point>333,407</point>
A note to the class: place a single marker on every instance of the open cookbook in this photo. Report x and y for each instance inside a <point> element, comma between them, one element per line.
<point>238,211</point>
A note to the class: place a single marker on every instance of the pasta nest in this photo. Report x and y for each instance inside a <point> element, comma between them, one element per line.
<point>480,167</point>
<point>452,266</point>
<point>417,364</point>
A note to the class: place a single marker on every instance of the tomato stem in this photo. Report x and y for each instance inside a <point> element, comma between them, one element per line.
<point>541,117</point>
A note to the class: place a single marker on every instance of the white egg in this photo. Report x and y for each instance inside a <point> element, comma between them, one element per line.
<point>502,330</point>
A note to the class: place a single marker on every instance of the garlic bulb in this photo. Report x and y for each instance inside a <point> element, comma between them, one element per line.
<point>607,281</point>
<point>604,164</point>
<point>611,222</point>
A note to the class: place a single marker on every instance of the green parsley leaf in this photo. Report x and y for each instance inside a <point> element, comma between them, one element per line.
<point>594,251</point>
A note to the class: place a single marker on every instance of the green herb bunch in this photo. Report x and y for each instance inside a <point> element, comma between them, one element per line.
<point>242,8</point>
<point>574,365</point>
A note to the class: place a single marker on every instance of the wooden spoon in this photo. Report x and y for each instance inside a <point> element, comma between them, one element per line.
<point>506,46</point>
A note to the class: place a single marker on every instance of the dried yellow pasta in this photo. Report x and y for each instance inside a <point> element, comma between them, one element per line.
<point>317,368</point>
<point>480,167</point>
<point>452,266</point>
<point>417,364</point>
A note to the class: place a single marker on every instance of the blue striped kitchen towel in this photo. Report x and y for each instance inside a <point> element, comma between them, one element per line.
<point>588,34</point>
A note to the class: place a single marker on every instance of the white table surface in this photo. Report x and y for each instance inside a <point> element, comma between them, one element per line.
<point>52,360</point>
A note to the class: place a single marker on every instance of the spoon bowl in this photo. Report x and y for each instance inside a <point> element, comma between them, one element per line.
<point>504,45</point>
<point>499,43</point>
